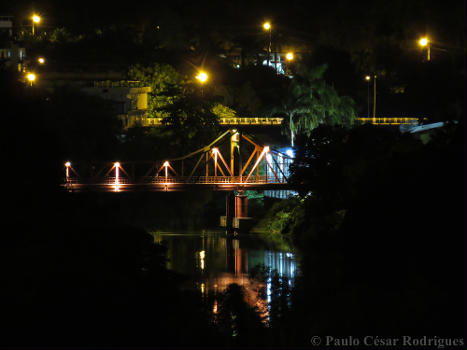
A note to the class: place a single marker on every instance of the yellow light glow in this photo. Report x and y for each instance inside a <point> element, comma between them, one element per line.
<point>367,77</point>
<point>266,149</point>
<point>289,56</point>
<point>166,163</point>
<point>202,254</point>
<point>68,164</point>
<point>41,60</point>
<point>36,18</point>
<point>117,164</point>
<point>202,77</point>
<point>31,77</point>
<point>215,150</point>
<point>423,42</point>
<point>267,25</point>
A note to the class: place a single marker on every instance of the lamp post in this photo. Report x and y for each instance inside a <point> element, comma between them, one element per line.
<point>368,78</point>
<point>374,98</point>
<point>31,77</point>
<point>425,42</point>
<point>267,26</point>
<point>289,57</point>
<point>202,78</point>
<point>35,19</point>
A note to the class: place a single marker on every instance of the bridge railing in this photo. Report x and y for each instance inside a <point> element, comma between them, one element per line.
<point>210,179</point>
<point>110,180</point>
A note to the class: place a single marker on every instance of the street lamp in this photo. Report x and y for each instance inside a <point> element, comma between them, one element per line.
<point>202,77</point>
<point>374,98</point>
<point>31,77</point>
<point>368,78</point>
<point>35,19</point>
<point>267,26</point>
<point>289,56</point>
<point>425,42</point>
<point>41,60</point>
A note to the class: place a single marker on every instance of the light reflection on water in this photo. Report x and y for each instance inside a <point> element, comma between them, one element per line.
<point>213,261</point>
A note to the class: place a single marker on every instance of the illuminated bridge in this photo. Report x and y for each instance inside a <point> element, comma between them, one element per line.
<point>144,121</point>
<point>248,166</point>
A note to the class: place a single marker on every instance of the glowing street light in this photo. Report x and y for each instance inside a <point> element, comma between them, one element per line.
<point>425,42</point>
<point>267,25</point>
<point>31,77</point>
<point>35,19</point>
<point>202,77</point>
<point>289,56</point>
<point>41,60</point>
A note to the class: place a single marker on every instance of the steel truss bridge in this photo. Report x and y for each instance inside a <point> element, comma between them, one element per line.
<point>248,166</point>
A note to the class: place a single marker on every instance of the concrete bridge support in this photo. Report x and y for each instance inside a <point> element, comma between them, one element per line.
<point>236,217</point>
<point>241,205</point>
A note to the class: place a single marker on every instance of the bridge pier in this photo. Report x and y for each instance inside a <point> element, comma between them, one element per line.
<point>236,217</point>
<point>241,205</point>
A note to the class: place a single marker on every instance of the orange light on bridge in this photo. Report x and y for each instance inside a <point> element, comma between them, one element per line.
<point>117,175</point>
<point>166,166</point>
<point>215,151</point>
<point>67,170</point>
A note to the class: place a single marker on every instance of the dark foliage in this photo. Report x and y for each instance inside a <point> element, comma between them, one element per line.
<point>382,241</point>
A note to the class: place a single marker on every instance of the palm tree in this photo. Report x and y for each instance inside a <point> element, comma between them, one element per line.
<point>310,101</point>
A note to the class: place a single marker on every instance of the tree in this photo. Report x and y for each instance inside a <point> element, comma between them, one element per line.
<point>190,123</point>
<point>167,85</point>
<point>310,101</point>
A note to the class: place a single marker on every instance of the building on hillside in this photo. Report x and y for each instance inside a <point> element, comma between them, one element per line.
<point>6,26</point>
<point>11,55</point>
<point>130,99</point>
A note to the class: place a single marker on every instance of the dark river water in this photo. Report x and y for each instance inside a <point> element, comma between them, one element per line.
<point>213,261</point>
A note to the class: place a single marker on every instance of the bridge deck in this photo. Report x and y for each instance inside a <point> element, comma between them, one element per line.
<point>171,187</point>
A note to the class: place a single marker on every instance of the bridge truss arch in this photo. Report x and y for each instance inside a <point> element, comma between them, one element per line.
<point>231,161</point>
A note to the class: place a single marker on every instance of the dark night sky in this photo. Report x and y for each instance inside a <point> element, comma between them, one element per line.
<point>445,18</point>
